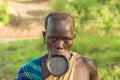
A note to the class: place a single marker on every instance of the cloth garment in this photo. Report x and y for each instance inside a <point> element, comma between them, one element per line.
<point>70,75</point>
<point>32,70</point>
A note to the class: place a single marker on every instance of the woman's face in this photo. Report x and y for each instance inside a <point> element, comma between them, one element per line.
<point>59,37</point>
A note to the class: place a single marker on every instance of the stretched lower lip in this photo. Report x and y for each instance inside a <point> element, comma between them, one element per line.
<point>59,53</point>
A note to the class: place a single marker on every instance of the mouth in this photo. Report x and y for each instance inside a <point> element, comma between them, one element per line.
<point>58,53</point>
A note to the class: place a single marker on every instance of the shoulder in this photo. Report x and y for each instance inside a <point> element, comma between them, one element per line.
<point>30,70</point>
<point>83,59</point>
<point>33,64</point>
<point>88,64</point>
<point>35,61</point>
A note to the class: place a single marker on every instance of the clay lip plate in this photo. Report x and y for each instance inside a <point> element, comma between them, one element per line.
<point>57,65</point>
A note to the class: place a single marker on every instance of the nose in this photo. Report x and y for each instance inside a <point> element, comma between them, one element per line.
<point>59,45</point>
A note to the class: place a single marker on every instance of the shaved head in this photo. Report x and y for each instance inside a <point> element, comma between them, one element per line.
<point>59,16</point>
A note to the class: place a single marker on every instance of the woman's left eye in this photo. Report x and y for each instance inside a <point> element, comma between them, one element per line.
<point>67,39</point>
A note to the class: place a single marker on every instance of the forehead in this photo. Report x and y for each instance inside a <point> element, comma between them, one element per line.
<point>59,27</point>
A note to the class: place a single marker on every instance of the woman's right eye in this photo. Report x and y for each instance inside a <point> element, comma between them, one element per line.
<point>53,38</point>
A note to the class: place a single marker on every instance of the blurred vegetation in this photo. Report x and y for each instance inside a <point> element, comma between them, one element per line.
<point>14,54</point>
<point>105,51</point>
<point>4,14</point>
<point>100,17</point>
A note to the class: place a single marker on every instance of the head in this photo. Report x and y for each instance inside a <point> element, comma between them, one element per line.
<point>59,33</point>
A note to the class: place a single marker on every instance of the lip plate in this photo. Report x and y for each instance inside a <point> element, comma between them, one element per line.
<point>57,65</point>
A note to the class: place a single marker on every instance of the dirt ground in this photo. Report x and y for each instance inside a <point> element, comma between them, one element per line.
<point>27,21</point>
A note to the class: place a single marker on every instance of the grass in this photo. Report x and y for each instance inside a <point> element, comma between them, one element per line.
<point>14,54</point>
<point>99,48</point>
<point>103,50</point>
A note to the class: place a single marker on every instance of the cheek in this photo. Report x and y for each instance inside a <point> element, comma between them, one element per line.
<point>48,43</point>
<point>69,45</point>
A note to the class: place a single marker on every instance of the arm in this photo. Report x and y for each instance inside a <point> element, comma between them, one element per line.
<point>92,70</point>
<point>85,68</point>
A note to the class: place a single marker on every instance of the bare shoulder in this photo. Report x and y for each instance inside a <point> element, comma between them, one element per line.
<point>88,64</point>
<point>84,60</point>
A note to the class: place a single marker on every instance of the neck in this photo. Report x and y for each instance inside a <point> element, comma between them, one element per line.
<point>45,71</point>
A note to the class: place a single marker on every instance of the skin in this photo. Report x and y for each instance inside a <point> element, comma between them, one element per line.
<point>59,37</point>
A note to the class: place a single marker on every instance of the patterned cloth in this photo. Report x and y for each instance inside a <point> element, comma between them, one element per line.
<point>30,71</point>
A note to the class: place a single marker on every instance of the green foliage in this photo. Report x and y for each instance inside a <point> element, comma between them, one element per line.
<point>60,6</point>
<point>83,9</point>
<point>14,54</point>
<point>114,73</point>
<point>103,50</point>
<point>100,17</point>
<point>4,14</point>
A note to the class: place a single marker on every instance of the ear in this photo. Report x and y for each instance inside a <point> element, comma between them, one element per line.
<point>44,34</point>
<point>74,35</point>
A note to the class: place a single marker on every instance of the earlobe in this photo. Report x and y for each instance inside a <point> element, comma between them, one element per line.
<point>74,35</point>
<point>44,34</point>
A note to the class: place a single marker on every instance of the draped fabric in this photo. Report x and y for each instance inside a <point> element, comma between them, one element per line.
<point>30,71</point>
<point>70,75</point>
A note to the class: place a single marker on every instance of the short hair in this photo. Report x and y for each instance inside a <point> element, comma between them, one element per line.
<point>59,16</point>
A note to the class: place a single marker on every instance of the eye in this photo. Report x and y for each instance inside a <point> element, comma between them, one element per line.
<point>67,39</point>
<point>52,38</point>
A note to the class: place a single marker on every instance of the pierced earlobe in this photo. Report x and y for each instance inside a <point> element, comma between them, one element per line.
<point>44,34</point>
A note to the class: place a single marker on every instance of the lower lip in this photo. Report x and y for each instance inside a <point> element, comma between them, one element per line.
<point>58,53</point>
